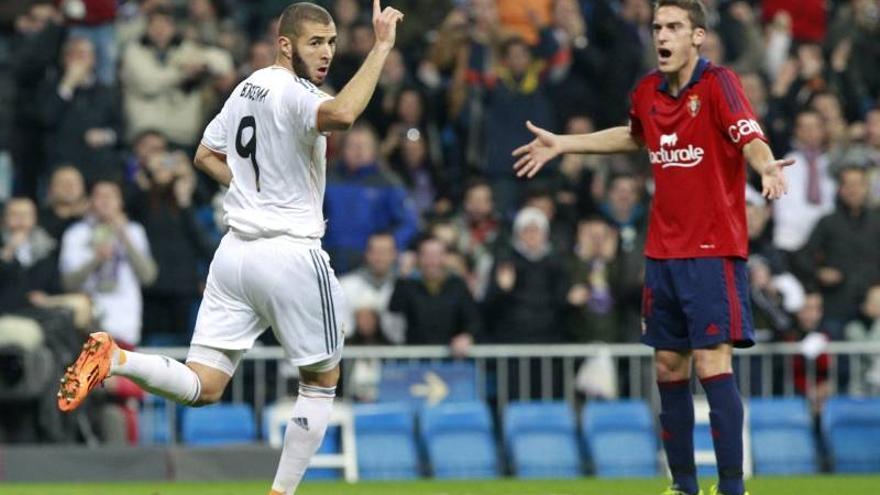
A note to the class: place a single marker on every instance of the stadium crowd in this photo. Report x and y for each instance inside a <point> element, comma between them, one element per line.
<point>107,224</point>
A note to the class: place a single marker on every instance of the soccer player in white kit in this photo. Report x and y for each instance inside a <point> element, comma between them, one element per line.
<point>268,145</point>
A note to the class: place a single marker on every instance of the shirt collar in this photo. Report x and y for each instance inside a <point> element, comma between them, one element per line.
<point>702,65</point>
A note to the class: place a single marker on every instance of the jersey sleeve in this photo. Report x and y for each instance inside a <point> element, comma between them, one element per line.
<point>733,113</point>
<point>635,123</point>
<point>301,101</point>
<point>215,135</point>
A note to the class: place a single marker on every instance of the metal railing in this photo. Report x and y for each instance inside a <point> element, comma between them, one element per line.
<point>548,372</point>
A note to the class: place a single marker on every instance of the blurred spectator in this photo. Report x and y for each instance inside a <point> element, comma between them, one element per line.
<point>810,185</point>
<point>131,19</point>
<point>827,104</point>
<point>627,40</point>
<point>66,201</point>
<point>209,24</point>
<point>773,298</point>
<point>740,37</point>
<point>865,327</point>
<point>364,375</point>
<point>768,110</point>
<point>841,254</point>
<point>82,116</point>
<point>560,218</point>
<point>363,198</point>
<point>373,283</point>
<point>163,76</point>
<point>437,306</point>
<point>807,74</point>
<point>811,367</point>
<point>347,62</point>
<point>388,111</point>
<point>162,203</point>
<point>108,257</point>
<point>525,17</point>
<point>592,272</point>
<point>480,233</point>
<point>577,73</point>
<point>808,17</point>
<point>367,328</point>
<point>35,47</point>
<point>516,93</point>
<point>94,20</point>
<point>345,14</point>
<point>27,257</point>
<point>854,39</point>
<point>583,176</point>
<point>412,164</point>
<point>527,295</point>
<point>624,209</point>
<point>260,55</point>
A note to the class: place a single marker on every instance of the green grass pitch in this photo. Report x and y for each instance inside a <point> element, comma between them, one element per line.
<point>815,485</point>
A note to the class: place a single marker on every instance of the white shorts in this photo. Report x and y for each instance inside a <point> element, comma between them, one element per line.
<point>282,282</point>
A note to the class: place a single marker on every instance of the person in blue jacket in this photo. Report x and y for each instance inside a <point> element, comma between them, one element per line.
<point>363,198</point>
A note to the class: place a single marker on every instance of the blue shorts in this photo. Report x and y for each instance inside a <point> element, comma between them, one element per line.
<point>696,303</point>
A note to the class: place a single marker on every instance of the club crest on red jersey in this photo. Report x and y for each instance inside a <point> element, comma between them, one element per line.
<point>693,105</point>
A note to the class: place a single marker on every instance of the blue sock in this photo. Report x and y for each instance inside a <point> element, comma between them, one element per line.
<point>726,419</point>
<point>677,420</point>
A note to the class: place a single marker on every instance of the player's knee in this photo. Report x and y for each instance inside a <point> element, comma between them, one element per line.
<point>326,378</point>
<point>672,366</point>
<point>209,395</point>
<point>712,362</point>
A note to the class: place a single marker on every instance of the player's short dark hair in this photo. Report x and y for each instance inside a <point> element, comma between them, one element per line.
<point>695,9</point>
<point>296,14</point>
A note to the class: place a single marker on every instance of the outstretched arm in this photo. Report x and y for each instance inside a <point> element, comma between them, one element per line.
<point>760,158</point>
<point>341,112</point>
<point>547,146</point>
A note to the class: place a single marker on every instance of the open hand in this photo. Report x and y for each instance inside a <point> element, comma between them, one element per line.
<point>385,25</point>
<point>534,155</point>
<point>773,180</point>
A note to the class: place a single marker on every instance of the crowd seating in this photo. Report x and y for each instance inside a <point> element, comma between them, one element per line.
<point>540,439</point>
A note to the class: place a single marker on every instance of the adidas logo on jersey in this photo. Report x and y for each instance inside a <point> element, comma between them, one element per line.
<point>670,156</point>
<point>302,423</point>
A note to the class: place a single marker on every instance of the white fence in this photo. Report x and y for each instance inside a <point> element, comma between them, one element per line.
<point>545,372</point>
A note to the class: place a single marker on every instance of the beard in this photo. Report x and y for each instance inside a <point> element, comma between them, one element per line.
<point>301,68</point>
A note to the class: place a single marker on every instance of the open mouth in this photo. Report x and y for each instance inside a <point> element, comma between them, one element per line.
<point>664,53</point>
<point>322,71</point>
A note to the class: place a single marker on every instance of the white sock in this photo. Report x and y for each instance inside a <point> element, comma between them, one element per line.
<point>304,433</point>
<point>159,375</point>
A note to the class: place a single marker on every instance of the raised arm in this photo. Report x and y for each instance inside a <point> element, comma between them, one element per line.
<point>341,112</point>
<point>547,146</point>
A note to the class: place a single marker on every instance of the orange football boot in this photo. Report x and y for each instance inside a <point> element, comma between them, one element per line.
<point>90,368</point>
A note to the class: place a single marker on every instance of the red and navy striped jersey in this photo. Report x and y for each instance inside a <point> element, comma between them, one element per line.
<point>695,143</point>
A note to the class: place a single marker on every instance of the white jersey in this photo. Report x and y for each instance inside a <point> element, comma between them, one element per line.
<point>268,131</point>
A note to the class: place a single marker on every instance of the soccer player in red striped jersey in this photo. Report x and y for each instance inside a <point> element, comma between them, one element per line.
<point>694,121</point>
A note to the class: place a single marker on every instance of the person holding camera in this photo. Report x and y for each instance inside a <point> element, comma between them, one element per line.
<point>161,199</point>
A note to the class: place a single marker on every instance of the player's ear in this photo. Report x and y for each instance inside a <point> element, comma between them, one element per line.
<point>285,45</point>
<point>698,37</point>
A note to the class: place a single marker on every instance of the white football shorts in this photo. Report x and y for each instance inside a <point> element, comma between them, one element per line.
<point>282,282</point>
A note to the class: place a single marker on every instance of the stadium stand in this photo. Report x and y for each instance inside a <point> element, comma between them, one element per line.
<point>852,430</point>
<point>386,442</point>
<point>541,440</point>
<point>218,424</point>
<point>782,436</point>
<point>620,437</point>
<point>459,440</point>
